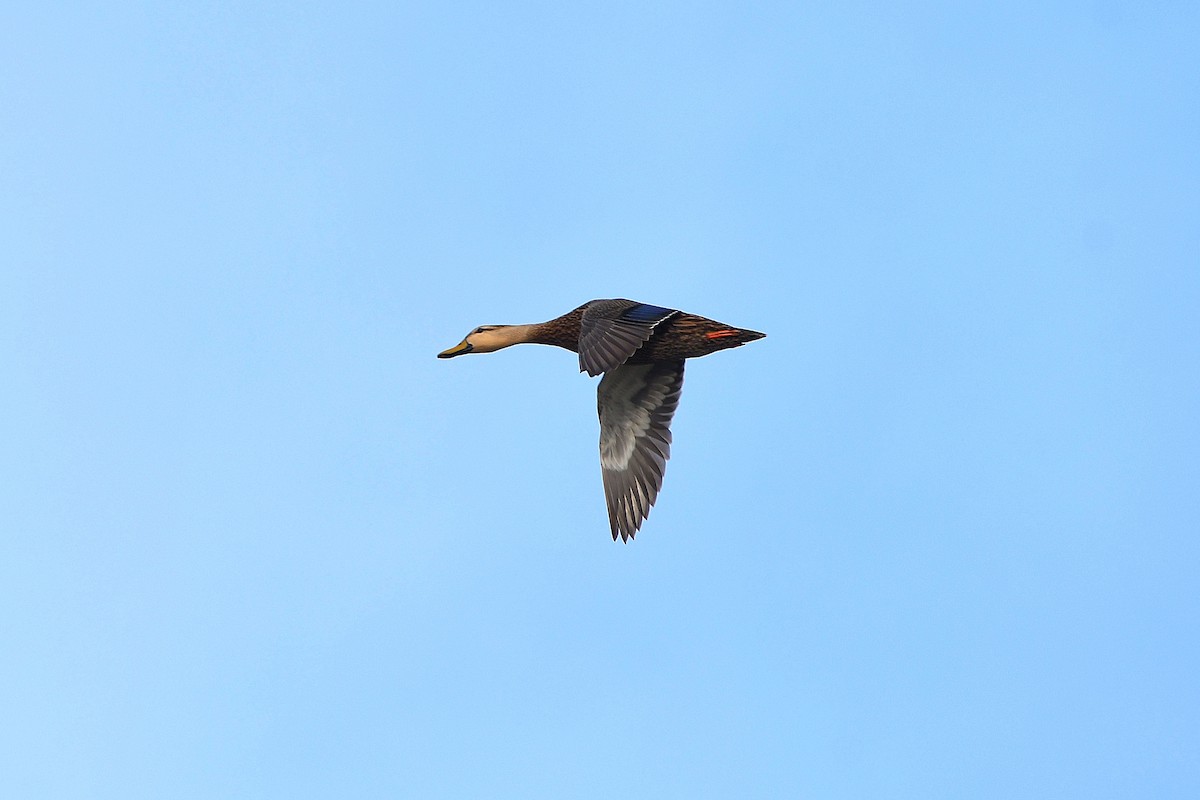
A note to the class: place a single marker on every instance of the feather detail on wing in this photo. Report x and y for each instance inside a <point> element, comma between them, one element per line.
<point>612,330</point>
<point>636,403</point>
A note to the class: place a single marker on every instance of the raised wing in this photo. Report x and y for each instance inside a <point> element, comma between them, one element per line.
<point>613,330</point>
<point>636,404</point>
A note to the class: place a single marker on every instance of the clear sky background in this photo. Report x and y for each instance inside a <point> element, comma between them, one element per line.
<point>934,537</point>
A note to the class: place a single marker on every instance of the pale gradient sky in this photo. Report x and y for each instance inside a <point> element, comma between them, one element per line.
<point>934,537</point>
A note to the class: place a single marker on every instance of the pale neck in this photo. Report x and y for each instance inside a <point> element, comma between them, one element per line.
<point>517,334</point>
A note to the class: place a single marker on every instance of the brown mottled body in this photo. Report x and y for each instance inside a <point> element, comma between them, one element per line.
<point>682,335</point>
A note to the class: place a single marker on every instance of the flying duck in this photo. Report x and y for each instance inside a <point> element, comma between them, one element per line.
<point>640,349</point>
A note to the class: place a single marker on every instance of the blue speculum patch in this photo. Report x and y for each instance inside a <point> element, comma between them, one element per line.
<point>646,313</point>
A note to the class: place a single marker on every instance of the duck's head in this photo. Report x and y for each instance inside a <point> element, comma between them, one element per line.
<point>486,339</point>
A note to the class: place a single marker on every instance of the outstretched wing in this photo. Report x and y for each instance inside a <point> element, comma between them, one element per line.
<point>636,404</point>
<point>613,330</point>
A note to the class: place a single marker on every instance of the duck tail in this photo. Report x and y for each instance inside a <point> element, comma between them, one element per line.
<point>733,337</point>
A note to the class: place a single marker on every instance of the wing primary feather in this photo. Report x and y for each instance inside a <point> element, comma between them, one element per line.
<point>636,403</point>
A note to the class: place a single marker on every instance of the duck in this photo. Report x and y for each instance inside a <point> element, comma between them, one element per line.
<point>640,350</point>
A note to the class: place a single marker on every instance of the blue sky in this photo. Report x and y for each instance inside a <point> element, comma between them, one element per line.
<point>934,537</point>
